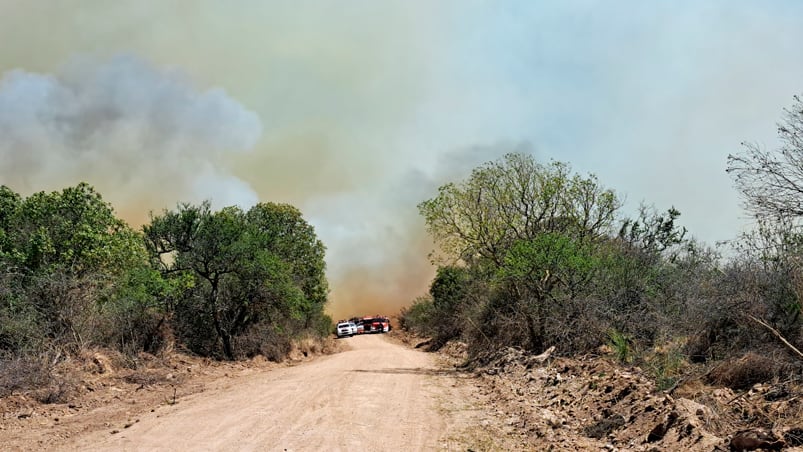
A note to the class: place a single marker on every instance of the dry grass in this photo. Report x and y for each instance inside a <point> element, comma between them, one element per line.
<point>24,373</point>
<point>744,372</point>
<point>60,391</point>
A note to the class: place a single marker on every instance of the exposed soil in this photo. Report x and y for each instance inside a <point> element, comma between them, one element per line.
<point>376,393</point>
<point>594,403</point>
<point>98,393</point>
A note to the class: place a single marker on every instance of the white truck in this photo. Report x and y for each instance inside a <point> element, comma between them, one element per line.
<point>346,329</point>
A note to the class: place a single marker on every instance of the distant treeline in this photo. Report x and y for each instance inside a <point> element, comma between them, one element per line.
<point>223,284</point>
<point>533,255</point>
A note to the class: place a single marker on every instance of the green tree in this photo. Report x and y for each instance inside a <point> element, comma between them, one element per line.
<point>10,202</point>
<point>543,276</point>
<point>449,292</point>
<point>61,253</point>
<point>639,268</point>
<point>264,267</point>
<point>418,317</point>
<point>73,230</point>
<point>515,199</point>
<point>531,232</point>
<point>653,233</point>
<point>286,234</point>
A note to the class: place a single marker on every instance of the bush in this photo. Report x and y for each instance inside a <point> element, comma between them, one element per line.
<point>417,317</point>
<point>263,339</point>
<point>665,366</point>
<point>620,343</point>
<point>24,373</point>
<point>744,372</point>
<point>57,392</point>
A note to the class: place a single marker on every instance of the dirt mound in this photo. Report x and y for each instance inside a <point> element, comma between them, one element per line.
<point>594,403</point>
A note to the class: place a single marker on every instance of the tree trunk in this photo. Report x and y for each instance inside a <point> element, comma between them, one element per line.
<point>536,333</point>
<point>225,337</point>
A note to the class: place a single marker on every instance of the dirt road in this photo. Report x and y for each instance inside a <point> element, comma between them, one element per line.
<point>378,395</point>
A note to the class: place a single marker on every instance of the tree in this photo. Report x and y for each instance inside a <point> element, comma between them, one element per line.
<point>545,273</point>
<point>73,230</point>
<point>10,202</point>
<point>653,233</point>
<point>61,254</point>
<point>771,182</point>
<point>515,199</point>
<point>530,231</point>
<point>289,236</point>
<point>263,267</point>
<point>640,269</point>
<point>448,293</point>
<point>208,247</point>
<point>550,265</point>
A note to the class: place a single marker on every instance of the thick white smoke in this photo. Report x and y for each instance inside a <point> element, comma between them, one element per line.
<point>144,136</point>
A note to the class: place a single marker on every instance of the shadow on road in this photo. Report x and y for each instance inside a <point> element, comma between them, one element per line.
<point>417,371</point>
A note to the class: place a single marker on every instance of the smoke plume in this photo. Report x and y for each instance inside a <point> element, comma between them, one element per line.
<point>144,137</point>
<point>367,102</point>
<point>380,250</point>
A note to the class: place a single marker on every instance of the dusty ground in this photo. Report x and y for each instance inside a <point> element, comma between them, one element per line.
<point>380,392</point>
<point>376,394</point>
<point>104,395</point>
<point>594,403</point>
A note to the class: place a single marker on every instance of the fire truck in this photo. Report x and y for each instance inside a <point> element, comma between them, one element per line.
<point>375,324</point>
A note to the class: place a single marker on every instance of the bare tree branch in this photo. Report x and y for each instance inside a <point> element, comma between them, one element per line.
<point>777,334</point>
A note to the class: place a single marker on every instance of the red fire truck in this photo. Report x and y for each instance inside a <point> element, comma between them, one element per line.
<point>376,324</point>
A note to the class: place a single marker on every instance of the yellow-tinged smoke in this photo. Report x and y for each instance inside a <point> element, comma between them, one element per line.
<point>147,139</point>
<point>323,108</point>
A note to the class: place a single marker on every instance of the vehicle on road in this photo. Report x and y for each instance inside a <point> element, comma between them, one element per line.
<point>376,324</point>
<point>346,329</point>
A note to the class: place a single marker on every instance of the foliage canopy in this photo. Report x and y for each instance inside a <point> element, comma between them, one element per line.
<point>515,199</point>
<point>264,267</point>
<point>222,283</point>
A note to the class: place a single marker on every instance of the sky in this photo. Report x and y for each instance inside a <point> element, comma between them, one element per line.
<point>356,111</point>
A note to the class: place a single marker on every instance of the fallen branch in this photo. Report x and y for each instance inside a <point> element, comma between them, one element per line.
<point>543,356</point>
<point>776,333</point>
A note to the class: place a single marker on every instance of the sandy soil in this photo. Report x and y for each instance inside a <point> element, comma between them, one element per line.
<point>378,392</point>
<point>378,395</point>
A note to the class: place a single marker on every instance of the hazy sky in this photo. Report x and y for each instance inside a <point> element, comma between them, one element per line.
<point>355,111</point>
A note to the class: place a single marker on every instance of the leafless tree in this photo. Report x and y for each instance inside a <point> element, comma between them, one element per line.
<point>771,182</point>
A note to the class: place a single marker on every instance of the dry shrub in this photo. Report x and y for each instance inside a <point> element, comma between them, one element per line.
<point>698,348</point>
<point>262,340</point>
<point>24,373</point>
<point>604,426</point>
<point>330,346</point>
<point>277,350</point>
<point>312,346</point>
<point>151,377</point>
<point>744,372</point>
<point>59,391</point>
<point>794,437</point>
<point>105,361</point>
<point>307,346</point>
<point>666,365</point>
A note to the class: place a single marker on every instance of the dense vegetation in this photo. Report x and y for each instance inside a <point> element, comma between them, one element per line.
<point>224,284</point>
<point>533,255</point>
